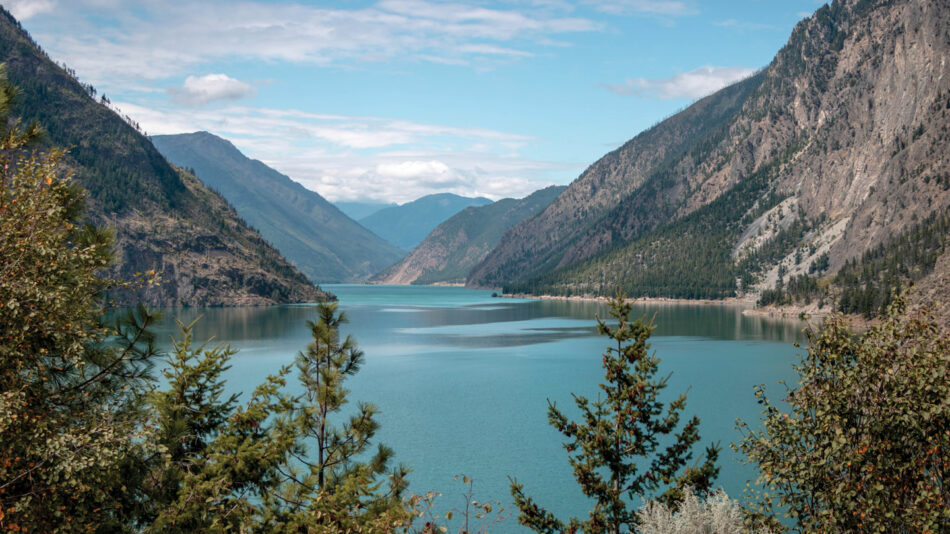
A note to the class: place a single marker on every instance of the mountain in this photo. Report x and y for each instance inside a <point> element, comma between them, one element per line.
<point>308,230</point>
<point>408,224</point>
<point>164,219</point>
<point>839,145</point>
<point>450,251</point>
<point>361,210</point>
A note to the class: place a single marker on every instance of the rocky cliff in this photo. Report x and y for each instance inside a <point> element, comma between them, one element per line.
<point>838,145</point>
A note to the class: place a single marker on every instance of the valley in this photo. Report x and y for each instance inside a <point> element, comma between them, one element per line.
<point>419,267</point>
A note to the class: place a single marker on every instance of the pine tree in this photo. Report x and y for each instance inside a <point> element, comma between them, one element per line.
<point>619,434</point>
<point>338,485</point>
<point>189,414</point>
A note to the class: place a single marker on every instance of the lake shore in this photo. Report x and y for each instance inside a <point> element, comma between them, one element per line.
<point>733,301</point>
<point>811,313</point>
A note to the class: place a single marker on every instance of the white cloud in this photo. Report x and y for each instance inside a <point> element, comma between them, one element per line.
<point>693,84</point>
<point>412,169</point>
<point>672,8</point>
<point>201,90</point>
<point>193,34</point>
<point>370,158</point>
<point>24,9</point>
<point>488,49</point>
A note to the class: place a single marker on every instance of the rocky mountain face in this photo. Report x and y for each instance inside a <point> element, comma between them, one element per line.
<point>315,235</point>
<point>450,251</point>
<point>839,145</point>
<point>408,224</point>
<point>164,220</point>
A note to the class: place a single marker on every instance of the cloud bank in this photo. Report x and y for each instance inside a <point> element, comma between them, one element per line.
<point>25,9</point>
<point>693,84</point>
<point>153,39</point>
<point>365,158</point>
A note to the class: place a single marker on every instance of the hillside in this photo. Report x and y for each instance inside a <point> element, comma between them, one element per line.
<point>309,231</point>
<point>408,224</point>
<point>836,147</point>
<point>361,210</point>
<point>163,219</point>
<point>450,251</point>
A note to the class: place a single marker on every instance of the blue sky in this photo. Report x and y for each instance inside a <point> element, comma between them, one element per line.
<point>390,100</point>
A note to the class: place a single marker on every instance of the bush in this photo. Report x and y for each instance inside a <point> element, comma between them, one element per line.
<point>718,514</point>
<point>865,446</point>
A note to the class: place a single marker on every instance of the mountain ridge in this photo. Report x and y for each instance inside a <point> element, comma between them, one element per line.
<point>165,220</point>
<point>310,231</point>
<point>450,251</point>
<point>408,224</point>
<point>839,144</point>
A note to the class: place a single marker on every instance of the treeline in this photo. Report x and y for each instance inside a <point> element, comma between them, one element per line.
<point>867,285</point>
<point>690,258</point>
<point>119,168</point>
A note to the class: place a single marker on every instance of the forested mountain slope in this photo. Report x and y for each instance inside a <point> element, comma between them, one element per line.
<point>408,224</point>
<point>164,220</point>
<point>840,144</point>
<point>312,233</point>
<point>450,251</point>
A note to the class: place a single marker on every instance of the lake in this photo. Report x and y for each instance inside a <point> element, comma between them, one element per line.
<point>462,379</point>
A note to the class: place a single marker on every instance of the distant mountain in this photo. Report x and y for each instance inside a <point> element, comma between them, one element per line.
<point>164,219</point>
<point>450,251</point>
<point>841,144</point>
<point>407,225</point>
<point>361,210</point>
<point>311,232</point>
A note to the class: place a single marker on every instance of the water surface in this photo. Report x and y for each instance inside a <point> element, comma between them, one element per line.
<point>463,379</point>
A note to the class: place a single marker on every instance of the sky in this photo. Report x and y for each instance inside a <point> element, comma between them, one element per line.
<point>390,100</point>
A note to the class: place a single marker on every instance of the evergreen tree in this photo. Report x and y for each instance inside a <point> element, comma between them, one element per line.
<point>338,485</point>
<point>626,446</point>
<point>189,414</point>
<point>71,386</point>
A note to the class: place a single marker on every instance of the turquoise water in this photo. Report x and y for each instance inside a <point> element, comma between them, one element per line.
<point>463,379</point>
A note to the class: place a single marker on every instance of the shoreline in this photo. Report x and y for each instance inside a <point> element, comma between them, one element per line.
<point>730,301</point>
<point>799,313</point>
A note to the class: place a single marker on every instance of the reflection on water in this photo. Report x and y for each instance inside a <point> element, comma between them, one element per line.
<point>463,379</point>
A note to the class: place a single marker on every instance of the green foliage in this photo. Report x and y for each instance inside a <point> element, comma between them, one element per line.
<point>114,162</point>
<point>341,482</point>
<point>689,258</point>
<point>71,386</point>
<point>627,445</point>
<point>801,288</point>
<point>274,464</point>
<point>865,445</point>
<point>866,284</point>
<point>86,441</point>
